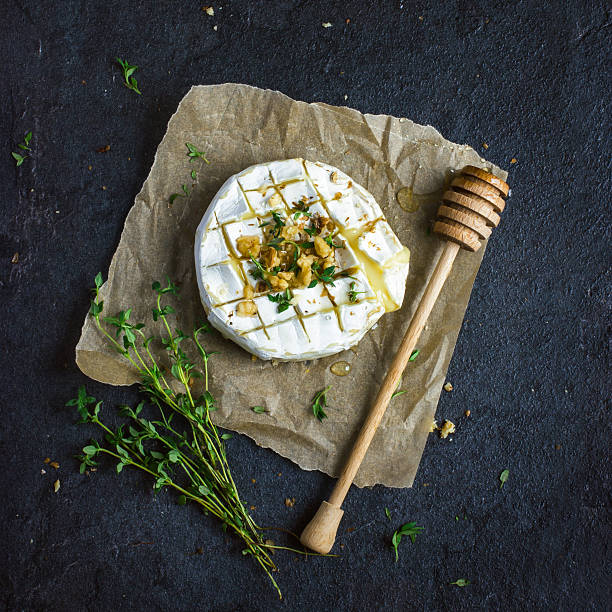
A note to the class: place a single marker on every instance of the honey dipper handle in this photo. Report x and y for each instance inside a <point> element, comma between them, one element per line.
<point>411,337</point>
<point>320,533</point>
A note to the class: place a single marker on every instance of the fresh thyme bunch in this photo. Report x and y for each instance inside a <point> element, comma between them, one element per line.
<point>181,449</point>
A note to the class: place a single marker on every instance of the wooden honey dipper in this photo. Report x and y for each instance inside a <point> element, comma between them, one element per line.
<point>470,209</point>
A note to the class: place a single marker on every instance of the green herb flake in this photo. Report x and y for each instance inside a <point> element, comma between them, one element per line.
<point>387,513</point>
<point>503,477</point>
<point>282,299</point>
<point>128,80</point>
<point>325,276</point>
<point>319,403</point>
<point>461,582</point>
<point>398,393</point>
<point>352,294</point>
<point>193,153</point>
<point>414,355</point>
<point>409,529</point>
<point>24,146</point>
<point>259,409</point>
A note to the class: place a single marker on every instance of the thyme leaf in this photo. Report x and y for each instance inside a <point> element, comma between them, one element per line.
<point>409,529</point>
<point>319,403</point>
<point>128,80</point>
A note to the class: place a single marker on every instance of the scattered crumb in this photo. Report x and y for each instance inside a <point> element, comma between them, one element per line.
<point>83,82</point>
<point>290,502</point>
<point>209,10</point>
<point>345,97</point>
<point>557,447</point>
<point>47,460</point>
<point>103,187</point>
<point>347,20</point>
<point>103,149</point>
<point>280,473</point>
<point>513,160</point>
<point>56,486</point>
<point>447,428</point>
<point>420,17</point>
<point>433,426</point>
<point>485,146</point>
<point>350,530</point>
<point>468,412</point>
<point>15,258</point>
<point>54,464</point>
<point>425,484</point>
<point>43,471</point>
<point>253,507</point>
<point>253,357</point>
<point>326,24</point>
<point>215,28</point>
<point>253,480</point>
<point>342,546</point>
<point>89,167</point>
<point>448,387</point>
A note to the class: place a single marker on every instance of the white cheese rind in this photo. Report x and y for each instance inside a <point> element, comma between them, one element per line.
<point>319,321</point>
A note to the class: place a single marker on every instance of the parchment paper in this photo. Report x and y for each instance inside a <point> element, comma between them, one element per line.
<point>237,126</point>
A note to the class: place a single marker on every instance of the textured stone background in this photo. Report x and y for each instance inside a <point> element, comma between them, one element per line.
<point>527,78</point>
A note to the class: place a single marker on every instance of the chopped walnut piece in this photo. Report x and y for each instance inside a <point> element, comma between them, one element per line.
<point>334,178</point>
<point>247,308</point>
<point>319,222</point>
<point>321,247</point>
<point>288,276</point>
<point>269,257</point>
<point>209,10</point>
<point>329,261</point>
<point>275,200</point>
<point>248,292</point>
<point>448,387</point>
<point>467,413</point>
<point>447,428</point>
<point>248,246</point>
<point>56,486</point>
<point>289,232</point>
<point>290,502</point>
<point>278,284</point>
<point>433,426</point>
<point>305,275</point>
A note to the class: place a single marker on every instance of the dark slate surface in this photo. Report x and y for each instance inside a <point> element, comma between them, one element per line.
<point>530,80</point>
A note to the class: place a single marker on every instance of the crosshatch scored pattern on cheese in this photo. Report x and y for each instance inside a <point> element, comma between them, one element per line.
<point>321,320</point>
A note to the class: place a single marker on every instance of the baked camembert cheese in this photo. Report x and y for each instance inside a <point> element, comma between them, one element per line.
<point>296,261</point>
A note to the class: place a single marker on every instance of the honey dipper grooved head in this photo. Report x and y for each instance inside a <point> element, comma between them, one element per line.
<point>471,207</point>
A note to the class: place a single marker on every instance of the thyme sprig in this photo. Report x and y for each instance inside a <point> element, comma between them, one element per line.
<point>24,146</point>
<point>412,530</point>
<point>352,294</point>
<point>182,449</point>
<point>282,299</point>
<point>128,80</point>
<point>319,403</point>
